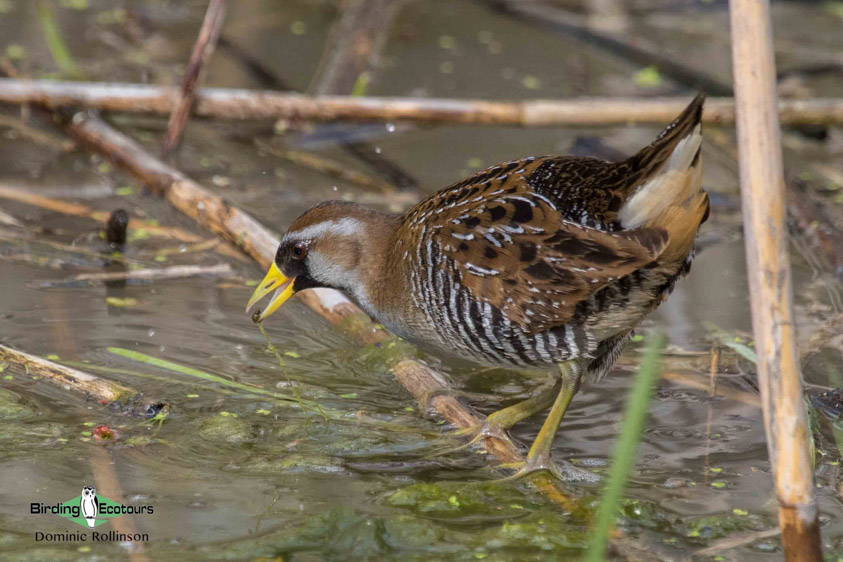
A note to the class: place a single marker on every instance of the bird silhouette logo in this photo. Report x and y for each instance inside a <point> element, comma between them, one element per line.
<point>88,503</point>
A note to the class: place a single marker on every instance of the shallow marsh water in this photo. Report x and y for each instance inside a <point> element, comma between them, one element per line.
<point>236,475</point>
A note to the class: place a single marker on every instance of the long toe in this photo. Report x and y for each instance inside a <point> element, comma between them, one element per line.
<point>476,436</point>
<point>563,471</point>
<point>425,400</point>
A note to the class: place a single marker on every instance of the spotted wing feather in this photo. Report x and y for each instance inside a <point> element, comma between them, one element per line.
<point>517,252</point>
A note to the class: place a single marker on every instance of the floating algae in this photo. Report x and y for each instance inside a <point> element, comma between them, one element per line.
<point>224,429</point>
<point>11,408</point>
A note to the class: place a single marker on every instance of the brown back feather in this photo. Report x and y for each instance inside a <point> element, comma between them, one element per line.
<point>515,251</point>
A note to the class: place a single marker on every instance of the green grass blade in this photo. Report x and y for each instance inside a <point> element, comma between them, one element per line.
<point>169,380</point>
<point>55,43</point>
<point>175,367</point>
<point>633,423</point>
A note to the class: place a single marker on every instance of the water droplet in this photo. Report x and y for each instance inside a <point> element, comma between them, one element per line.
<point>183,248</point>
<point>335,188</point>
<point>390,127</point>
<point>150,333</point>
<point>377,150</point>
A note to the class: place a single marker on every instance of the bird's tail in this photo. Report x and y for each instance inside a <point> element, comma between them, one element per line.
<point>92,521</point>
<point>667,187</point>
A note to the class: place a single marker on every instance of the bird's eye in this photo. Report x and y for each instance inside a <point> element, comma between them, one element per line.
<point>300,250</point>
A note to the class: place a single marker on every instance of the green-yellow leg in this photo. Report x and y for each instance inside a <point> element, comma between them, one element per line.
<point>539,458</point>
<point>498,422</point>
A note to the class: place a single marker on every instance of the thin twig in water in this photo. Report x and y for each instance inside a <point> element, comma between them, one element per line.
<point>713,370</point>
<point>161,378</point>
<point>35,135</point>
<point>202,51</point>
<point>735,541</point>
<point>208,244</point>
<point>174,272</point>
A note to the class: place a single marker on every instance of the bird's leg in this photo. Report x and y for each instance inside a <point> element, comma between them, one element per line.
<point>539,458</point>
<point>496,424</point>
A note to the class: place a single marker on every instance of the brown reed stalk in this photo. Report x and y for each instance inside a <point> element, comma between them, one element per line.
<point>768,265</point>
<point>261,104</point>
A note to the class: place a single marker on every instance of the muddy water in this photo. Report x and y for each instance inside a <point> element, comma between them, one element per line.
<point>235,474</point>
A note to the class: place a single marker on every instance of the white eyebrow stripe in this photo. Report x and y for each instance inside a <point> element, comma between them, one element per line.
<point>344,227</point>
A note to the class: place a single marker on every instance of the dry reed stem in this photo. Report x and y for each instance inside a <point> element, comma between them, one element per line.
<point>202,50</point>
<point>261,104</point>
<point>713,371</point>
<point>76,380</point>
<point>768,267</point>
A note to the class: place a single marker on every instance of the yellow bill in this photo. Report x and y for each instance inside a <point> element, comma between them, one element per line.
<point>274,281</point>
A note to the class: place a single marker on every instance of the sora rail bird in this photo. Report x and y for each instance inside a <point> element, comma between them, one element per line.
<point>533,263</point>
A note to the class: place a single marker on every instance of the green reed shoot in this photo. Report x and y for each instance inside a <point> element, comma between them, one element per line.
<point>175,367</point>
<point>635,413</point>
<point>55,43</point>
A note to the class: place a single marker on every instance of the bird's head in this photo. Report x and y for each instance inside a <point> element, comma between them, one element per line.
<point>334,244</point>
